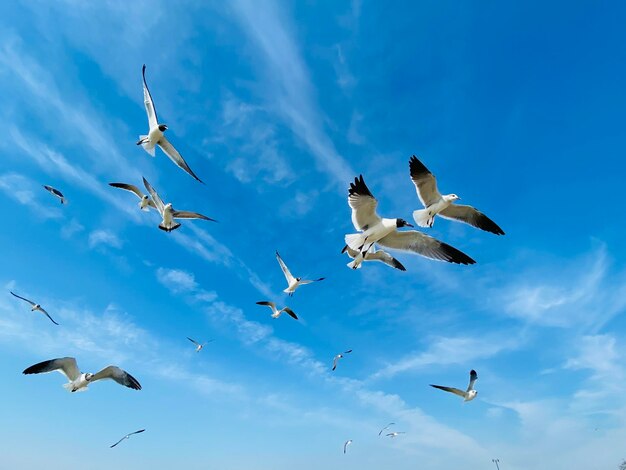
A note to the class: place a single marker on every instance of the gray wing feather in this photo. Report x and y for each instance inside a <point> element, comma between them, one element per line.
<point>23,298</point>
<point>148,102</point>
<point>267,303</point>
<point>285,269</point>
<point>363,205</point>
<point>471,216</point>
<point>128,187</point>
<point>66,365</point>
<point>155,197</point>
<point>173,154</point>
<point>120,376</point>
<point>48,315</point>
<point>473,378</point>
<point>190,215</point>
<point>290,312</point>
<point>424,181</point>
<point>456,391</point>
<point>424,245</point>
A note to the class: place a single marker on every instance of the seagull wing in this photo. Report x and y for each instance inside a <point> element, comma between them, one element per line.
<point>456,391</point>
<point>473,378</point>
<point>335,361</point>
<point>285,269</point>
<point>190,215</point>
<point>155,197</point>
<point>148,103</point>
<point>125,437</point>
<point>386,427</point>
<point>363,205</point>
<point>128,187</point>
<point>385,257</point>
<point>29,301</point>
<point>310,281</point>
<point>290,312</point>
<point>193,341</point>
<point>271,305</point>
<point>346,444</point>
<point>54,191</point>
<point>47,314</point>
<point>425,245</point>
<point>173,154</point>
<point>471,216</point>
<point>66,365</point>
<point>424,181</point>
<point>120,376</point>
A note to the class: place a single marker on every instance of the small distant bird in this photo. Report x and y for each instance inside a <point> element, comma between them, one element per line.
<point>386,427</point>
<point>155,134</point>
<point>198,345</point>
<point>55,192</point>
<point>144,200</point>
<point>339,356</point>
<point>346,444</point>
<point>435,203</point>
<point>293,282</point>
<point>79,381</point>
<point>167,212</point>
<point>373,255</point>
<point>126,437</point>
<point>275,312</point>
<point>395,434</point>
<point>467,395</point>
<point>35,306</point>
<point>375,229</point>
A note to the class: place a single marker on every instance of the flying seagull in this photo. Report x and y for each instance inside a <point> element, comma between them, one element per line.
<point>198,345</point>
<point>55,192</point>
<point>167,212</point>
<point>375,229</point>
<point>339,356</point>
<point>373,255</point>
<point>467,395</point>
<point>386,427</point>
<point>155,134</point>
<point>79,381</point>
<point>275,312</point>
<point>293,282</point>
<point>144,200</point>
<point>436,203</point>
<point>395,434</point>
<point>346,444</point>
<point>126,437</point>
<point>35,306</point>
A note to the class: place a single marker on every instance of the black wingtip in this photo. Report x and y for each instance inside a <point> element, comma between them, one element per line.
<point>143,69</point>
<point>359,187</point>
<point>456,256</point>
<point>398,265</point>
<point>344,249</point>
<point>133,383</point>
<point>416,167</point>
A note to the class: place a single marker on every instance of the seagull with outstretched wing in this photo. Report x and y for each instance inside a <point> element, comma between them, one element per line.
<point>346,444</point>
<point>127,436</point>
<point>293,282</point>
<point>373,255</point>
<point>199,346</point>
<point>35,306</point>
<point>144,200</point>
<point>386,427</point>
<point>275,312</point>
<point>467,395</point>
<point>55,192</point>
<point>339,356</point>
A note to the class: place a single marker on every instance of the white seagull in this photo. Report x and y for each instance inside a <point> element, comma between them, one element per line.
<point>339,356</point>
<point>126,437</point>
<point>167,212</point>
<point>468,394</point>
<point>144,200</point>
<point>373,255</point>
<point>346,444</point>
<point>55,192</point>
<point>293,282</point>
<point>395,434</point>
<point>35,306</point>
<point>79,381</point>
<point>386,427</point>
<point>375,229</point>
<point>198,345</point>
<point>436,203</point>
<point>155,134</point>
<point>275,312</point>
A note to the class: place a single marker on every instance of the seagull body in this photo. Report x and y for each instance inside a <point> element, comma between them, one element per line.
<point>34,307</point>
<point>346,444</point>
<point>467,395</point>
<point>155,134</point>
<point>275,312</point>
<point>373,255</point>
<point>293,282</point>
<point>386,427</point>
<point>339,356</point>
<point>384,231</point>
<point>144,200</point>
<point>167,212</point>
<point>79,381</point>
<point>55,192</point>
<point>199,346</point>
<point>437,204</point>
<point>395,434</point>
<point>127,436</point>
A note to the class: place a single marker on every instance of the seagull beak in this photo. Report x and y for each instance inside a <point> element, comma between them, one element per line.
<point>409,225</point>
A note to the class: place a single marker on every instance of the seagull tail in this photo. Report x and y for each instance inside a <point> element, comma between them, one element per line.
<point>68,386</point>
<point>355,241</point>
<point>146,144</point>
<point>423,218</point>
<point>356,262</point>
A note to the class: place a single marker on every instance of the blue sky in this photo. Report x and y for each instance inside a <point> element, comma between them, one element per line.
<point>518,108</point>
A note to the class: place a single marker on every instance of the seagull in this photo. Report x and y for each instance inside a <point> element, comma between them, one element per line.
<point>435,203</point>
<point>395,434</point>
<point>276,313</point>
<point>145,202</point>
<point>386,427</point>
<point>373,255</point>
<point>126,437</point>
<point>168,213</point>
<point>293,282</point>
<point>55,192</point>
<point>198,345</point>
<point>384,231</point>
<point>339,356</point>
<point>79,381</point>
<point>467,395</point>
<point>346,444</point>
<point>155,134</point>
<point>35,306</point>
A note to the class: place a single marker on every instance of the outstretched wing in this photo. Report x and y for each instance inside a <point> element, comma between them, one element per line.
<point>363,205</point>
<point>120,376</point>
<point>128,187</point>
<point>111,447</point>
<point>272,305</point>
<point>386,427</point>
<point>384,257</point>
<point>29,301</point>
<point>54,191</point>
<point>310,281</point>
<point>473,378</point>
<point>47,314</point>
<point>285,269</point>
<point>155,197</point>
<point>424,245</point>
<point>190,215</point>
<point>193,341</point>
<point>456,391</point>
<point>147,101</point>
<point>335,361</point>
<point>471,216</point>
<point>424,181</point>
<point>173,154</point>
<point>290,312</point>
<point>66,365</point>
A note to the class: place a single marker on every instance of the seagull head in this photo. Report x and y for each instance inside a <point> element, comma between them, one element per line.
<point>471,395</point>
<point>88,376</point>
<point>162,127</point>
<point>168,206</point>
<point>402,223</point>
<point>452,197</point>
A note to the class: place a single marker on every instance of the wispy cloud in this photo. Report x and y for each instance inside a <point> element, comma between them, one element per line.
<point>22,189</point>
<point>179,281</point>
<point>103,237</point>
